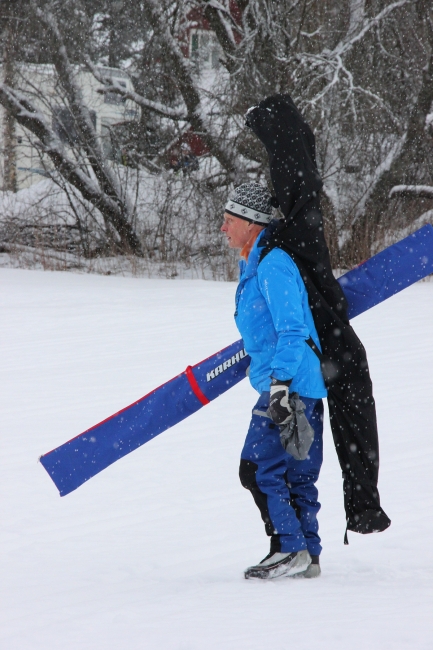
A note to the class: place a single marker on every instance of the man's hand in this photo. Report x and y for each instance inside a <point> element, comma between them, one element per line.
<point>279,407</point>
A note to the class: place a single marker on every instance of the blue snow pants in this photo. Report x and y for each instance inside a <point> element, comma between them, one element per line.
<point>283,488</point>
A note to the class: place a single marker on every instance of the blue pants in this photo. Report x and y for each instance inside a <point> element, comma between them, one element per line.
<point>283,488</point>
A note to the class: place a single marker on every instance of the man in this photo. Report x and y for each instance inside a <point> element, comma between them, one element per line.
<point>275,322</point>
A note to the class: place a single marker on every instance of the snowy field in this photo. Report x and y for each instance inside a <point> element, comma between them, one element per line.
<point>149,555</point>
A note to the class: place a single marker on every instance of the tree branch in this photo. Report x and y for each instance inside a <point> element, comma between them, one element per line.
<point>89,139</point>
<point>29,117</point>
<point>111,86</point>
<point>182,73</point>
<point>412,191</point>
<point>344,47</point>
<point>222,24</point>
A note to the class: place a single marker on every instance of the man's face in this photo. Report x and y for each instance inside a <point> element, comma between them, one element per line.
<point>237,231</point>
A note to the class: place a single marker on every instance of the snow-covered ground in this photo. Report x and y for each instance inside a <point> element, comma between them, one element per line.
<point>149,554</point>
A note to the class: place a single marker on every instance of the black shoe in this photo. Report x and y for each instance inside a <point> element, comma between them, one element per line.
<point>276,565</point>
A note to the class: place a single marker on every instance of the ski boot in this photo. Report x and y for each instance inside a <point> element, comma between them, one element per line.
<point>276,565</point>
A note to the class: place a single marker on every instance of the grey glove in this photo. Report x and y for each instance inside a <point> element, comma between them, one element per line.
<point>297,435</point>
<point>280,410</point>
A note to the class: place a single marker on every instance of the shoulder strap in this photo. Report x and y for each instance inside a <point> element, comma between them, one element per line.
<point>315,349</point>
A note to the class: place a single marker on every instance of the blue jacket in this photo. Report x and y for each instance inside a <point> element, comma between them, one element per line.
<point>274,319</point>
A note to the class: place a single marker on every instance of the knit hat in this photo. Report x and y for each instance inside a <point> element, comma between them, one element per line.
<point>252,202</point>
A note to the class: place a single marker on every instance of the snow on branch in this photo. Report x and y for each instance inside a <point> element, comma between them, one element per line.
<point>412,191</point>
<point>28,116</point>
<point>429,123</point>
<point>90,143</point>
<point>182,70</point>
<point>223,24</point>
<point>343,47</point>
<point>109,204</point>
<point>329,65</point>
<point>356,13</point>
<point>67,78</point>
<point>110,85</point>
<point>216,5</point>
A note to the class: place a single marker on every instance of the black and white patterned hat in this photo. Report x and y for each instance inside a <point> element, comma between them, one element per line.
<point>251,201</point>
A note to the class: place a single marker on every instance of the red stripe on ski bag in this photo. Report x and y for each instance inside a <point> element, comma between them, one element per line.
<point>77,460</point>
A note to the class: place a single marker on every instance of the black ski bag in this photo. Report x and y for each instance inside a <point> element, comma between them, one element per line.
<point>290,146</point>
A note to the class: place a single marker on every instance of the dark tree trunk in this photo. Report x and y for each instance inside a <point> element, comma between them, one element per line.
<point>9,125</point>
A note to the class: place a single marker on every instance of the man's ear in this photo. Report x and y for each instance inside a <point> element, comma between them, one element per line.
<point>255,226</point>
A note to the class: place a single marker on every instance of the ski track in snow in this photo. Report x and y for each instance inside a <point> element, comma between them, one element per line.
<point>150,553</point>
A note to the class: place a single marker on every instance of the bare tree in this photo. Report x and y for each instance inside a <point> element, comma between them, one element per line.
<point>360,71</point>
<point>10,21</point>
<point>166,26</point>
<point>95,178</point>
